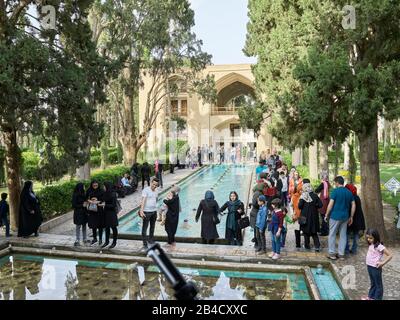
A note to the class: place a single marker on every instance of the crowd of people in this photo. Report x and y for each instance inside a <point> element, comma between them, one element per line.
<point>283,197</point>
<point>280,197</point>
<point>220,154</point>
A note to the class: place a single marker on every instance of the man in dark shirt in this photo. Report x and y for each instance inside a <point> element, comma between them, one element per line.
<point>145,172</point>
<point>4,211</point>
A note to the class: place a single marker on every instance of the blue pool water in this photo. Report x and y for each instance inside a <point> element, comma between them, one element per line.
<point>34,277</point>
<point>221,179</point>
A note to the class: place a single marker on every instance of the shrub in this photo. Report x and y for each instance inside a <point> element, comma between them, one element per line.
<point>394,154</point>
<point>95,161</point>
<point>113,156</point>
<point>30,165</point>
<point>55,200</point>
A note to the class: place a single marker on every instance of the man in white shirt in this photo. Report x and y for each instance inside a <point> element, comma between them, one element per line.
<point>126,184</point>
<point>148,211</point>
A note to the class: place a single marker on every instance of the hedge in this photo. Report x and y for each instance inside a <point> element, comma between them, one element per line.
<point>56,200</point>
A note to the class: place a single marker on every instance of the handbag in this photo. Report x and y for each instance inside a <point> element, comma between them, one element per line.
<point>244,222</point>
<point>92,207</point>
<point>302,220</point>
<point>216,219</point>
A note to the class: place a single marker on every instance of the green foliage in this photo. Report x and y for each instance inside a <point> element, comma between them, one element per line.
<point>251,114</point>
<point>30,165</point>
<point>113,156</point>
<point>56,200</point>
<point>394,154</point>
<point>50,82</point>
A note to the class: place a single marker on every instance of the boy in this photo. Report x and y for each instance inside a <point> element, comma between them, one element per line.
<point>4,211</point>
<point>261,224</point>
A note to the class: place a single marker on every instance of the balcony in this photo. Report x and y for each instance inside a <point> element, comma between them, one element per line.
<point>226,110</point>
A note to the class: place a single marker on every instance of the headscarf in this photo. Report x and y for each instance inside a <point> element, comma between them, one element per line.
<point>305,195</point>
<point>209,195</point>
<point>352,188</point>
<point>236,203</point>
<point>175,189</point>
<point>79,189</point>
<point>28,190</point>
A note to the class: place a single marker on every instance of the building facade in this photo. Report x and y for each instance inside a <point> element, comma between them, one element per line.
<point>210,126</point>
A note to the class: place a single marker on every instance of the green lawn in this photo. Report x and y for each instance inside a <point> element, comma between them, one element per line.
<point>387,171</point>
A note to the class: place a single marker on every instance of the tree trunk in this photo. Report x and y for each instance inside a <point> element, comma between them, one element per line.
<point>336,167</point>
<point>323,157</point>
<point>346,160</point>
<point>297,157</point>
<point>129,151</point>
<point>386,141</point>
<point>370,181</point>
<point>83,172</point>
<point>13,165</point>
<point>313,160</point>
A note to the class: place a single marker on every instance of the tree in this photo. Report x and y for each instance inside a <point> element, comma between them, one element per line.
<point>150,38</point>
<point>47,80</point>
<point>253,114</point>
<point>346,80</point>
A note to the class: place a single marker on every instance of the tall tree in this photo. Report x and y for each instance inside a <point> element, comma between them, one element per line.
<point>150,38</point>
<point>346,80</point>
<point>47,78</point>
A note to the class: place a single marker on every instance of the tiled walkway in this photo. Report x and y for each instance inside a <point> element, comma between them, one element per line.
<point>129,202</point>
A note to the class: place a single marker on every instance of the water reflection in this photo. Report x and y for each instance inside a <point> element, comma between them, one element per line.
<point>24,277</point>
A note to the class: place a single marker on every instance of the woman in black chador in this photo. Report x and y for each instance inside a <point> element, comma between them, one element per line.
<point>110,214</point>
<point>94,196</point>
<point>30,215</point>
<point>172,216</point>
<point>208,210</point>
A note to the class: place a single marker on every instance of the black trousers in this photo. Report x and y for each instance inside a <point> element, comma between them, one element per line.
<point>115,234</point>
<point>324,226</point>
<point>315,237</point>
<point>100,234</point>
<point>145,179</point>
<point>171,168</point>
<point>297,236</point>
<point>149,219</point>
<point>171,237</point>
<point>205,241</point>
<point>261,241</point>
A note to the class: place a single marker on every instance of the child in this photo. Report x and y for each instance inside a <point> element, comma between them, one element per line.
<point>4,211</point>
<point>275,227</point>
<point>374,261</point>
<point>261,223</point>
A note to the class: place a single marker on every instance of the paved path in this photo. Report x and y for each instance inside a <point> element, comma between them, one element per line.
<point>129,202</point>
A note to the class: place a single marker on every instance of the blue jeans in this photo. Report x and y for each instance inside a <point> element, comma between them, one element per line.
<point>355,238</point>
<point>283,237</point>
<point>375,276</point>
<point>276,243</point>
<point>336,226</point>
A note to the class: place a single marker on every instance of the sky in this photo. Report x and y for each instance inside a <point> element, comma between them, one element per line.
<point>221,24</point>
